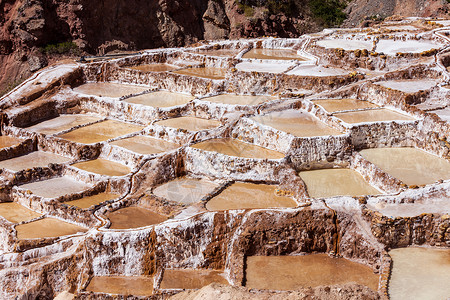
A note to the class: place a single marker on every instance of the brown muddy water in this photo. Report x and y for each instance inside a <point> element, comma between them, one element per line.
<point>239,99</point>
<point>33,160</point>
<point>56,187</point>
<point>219,52</point>
<point>145,145</point>
<point>244,195</point>
<point>185,190</point>
<point>420,273</point>
<point>100,132</point>
<point>106,89</point>
<point>8,141</point>
<point>189,123</point>
<point>160,99</point>
<point>134,217</point>
<point>278,54</point>
<point>233,147</point>
<point>190,279</point>
<point>336,182</point>
<point>122,285</point>
<point>16,213</point>
<point>297,123</point>
<point>334,105</point>
<point>210,73</point>
<point>62,123</point>
<point>103,167</point>
<point>410,165</point>
<point>89,201</point>
<point>46,228</point>
<point>373,115</point>
<point>155,68</point>
<point>296,272</point>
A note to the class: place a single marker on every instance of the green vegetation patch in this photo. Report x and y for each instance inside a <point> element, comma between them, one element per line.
<point>330,12</point>
<point>61,48</point>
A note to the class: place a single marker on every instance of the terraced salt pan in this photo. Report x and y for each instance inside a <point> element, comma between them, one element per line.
<point>295,122</point>
<point>345,44</point>
<point>190,123</point>
<point>410,165</point>
<point>106,89</point>
<point>334,105</point>
<point>155,68</point>
<point>295,272</point>
<point>420,273</point>
<point>443,113</point>
<point>134,217</point>
<point>160,99</point>
<point>32,160</point>
<point>239,99</point>
<point>219,52</point>
<point>185,190</point>
<point>190,279</point>
<point>207,72</point>
<point>145,145</point>
<point>100,132</point>
<point>264,67</point>
<point>391,47</point>
<point>8,141</point>
<point>62,123</point>
<point>244,195</point>
<point>56,187</point>
<point>46,228</point>
<point>233,147</point>
<point>317,71</point>
<point>412,209</point>
<point>275,54</point>
<point>336,182</point>
<point>103,167</point>
<point>89,201</point>
<point>373,115</point>
<point>121,285</point>
<point>409,85</point>
<point>16,213</point>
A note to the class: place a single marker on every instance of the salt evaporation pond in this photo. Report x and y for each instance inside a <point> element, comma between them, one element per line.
<point>239,99</point>
<point>244,195</point>
<point>345,44</point>
<point>336,182</point>
<point>218,52</point>
<point>62,123</point>
<point>296,122</point>
<point>334,105</point>
<point>207,72</point>
<point>154,68</point>
<point>46,228</point>
<point>372,115</point>
<point>8,141</point>
<point>100,132</point>
<point>185,190</point>
<point>122,285</point>
<point>16,213</point>
<point>443,113</point>
<point>56,187</point>
<point>103,167</point>
<point>33,160</point>
<point>296,272</point>
<point>160,99</point>
<point>391,47</point>
<point>145,145</point>
<point>233,147</point>
<point>275,54</point>
<point>134,217</point>
<point>190,123</point>
<point>405,210</point>
<point>265,67</point>
<point>317,71</point>
<point>420,273</point>
<point>409,85</point>
<point>190,278</point>
<point>107,89</point>
<point>410,165</point>
<point>93,200</point>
